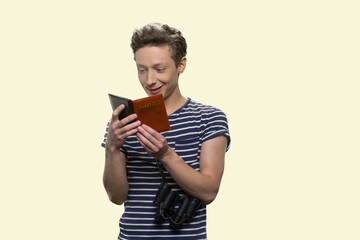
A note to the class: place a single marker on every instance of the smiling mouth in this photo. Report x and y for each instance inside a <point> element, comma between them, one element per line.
<point>155,90</point>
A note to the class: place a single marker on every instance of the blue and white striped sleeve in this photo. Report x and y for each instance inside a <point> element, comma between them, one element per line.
<point>214,124</point>
<point>105,136</point>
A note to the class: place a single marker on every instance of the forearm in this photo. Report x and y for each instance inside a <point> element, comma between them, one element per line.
<point>115,177</point>
<point>197,184</point>
<point>204,184</point>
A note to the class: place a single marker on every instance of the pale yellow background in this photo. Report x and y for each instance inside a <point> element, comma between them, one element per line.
<point>285,72</point>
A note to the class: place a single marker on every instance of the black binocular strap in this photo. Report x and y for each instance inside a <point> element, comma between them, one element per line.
<point>160,170</point>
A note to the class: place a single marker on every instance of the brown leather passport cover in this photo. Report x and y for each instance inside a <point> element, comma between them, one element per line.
<point>150,110</point>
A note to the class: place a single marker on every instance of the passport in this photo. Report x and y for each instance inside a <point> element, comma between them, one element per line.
<point>149,110</point>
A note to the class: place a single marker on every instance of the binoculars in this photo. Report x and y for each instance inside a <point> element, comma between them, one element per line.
<point>166,200</point>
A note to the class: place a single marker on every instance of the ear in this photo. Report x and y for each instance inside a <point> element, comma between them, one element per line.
<point>182,65</point>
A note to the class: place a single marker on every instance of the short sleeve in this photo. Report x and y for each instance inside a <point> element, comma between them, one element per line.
<point>214,124</point>
<point>103,144</point>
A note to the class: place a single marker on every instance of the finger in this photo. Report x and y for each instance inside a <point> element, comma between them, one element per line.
<point>117,128</point>
<point>128,119</point>
<point>130,132</point>
<point>122,133</point>
<point>149,146</point>
<point>117,112</point>
<point>130,127</point>
<point>151,138</point>
<point>143,130</point>
<point>151,132</point>
<point>140,141</point>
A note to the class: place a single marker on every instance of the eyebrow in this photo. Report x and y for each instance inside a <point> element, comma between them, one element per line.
<point>153,66</point>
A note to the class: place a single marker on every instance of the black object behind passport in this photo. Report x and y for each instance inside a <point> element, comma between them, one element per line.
<point>116,101</point>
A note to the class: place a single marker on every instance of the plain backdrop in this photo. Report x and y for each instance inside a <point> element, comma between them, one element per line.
<point>286,73</point>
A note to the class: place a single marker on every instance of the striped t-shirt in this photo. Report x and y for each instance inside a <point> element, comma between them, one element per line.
<point>191,125</point>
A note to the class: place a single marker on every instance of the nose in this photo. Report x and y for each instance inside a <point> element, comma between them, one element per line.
<point>151,78</point>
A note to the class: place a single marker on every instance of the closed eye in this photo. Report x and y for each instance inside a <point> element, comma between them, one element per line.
<point>160,70</point>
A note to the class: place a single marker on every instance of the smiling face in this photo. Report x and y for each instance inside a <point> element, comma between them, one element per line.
<point>157,71</point>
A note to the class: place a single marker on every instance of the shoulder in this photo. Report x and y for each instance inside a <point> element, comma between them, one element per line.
<point>213,121</point>
<point>202,109</point>
<point>202,119</point>
<point>206,112</point>
<point>195,110</point>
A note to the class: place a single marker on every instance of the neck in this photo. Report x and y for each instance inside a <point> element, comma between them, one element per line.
<point>174,102</point>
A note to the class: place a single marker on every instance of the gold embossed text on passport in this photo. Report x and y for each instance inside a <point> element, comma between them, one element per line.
<point>147,105</point>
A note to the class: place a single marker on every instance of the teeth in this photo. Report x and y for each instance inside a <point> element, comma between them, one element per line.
<point>156,89</point>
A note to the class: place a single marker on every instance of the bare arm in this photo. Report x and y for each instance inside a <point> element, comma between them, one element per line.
<point>115,177</point>
<point>204,184</point>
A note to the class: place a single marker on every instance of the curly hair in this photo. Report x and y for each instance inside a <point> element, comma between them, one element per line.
<point>157,34</point>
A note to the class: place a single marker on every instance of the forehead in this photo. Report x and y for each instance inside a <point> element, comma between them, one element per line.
<point>150,55</point>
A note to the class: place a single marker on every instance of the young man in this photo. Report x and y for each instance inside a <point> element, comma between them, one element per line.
<point>191,154</point>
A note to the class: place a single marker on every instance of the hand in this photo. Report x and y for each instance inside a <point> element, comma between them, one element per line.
<point>119,130</point>
<point>153,142</point>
